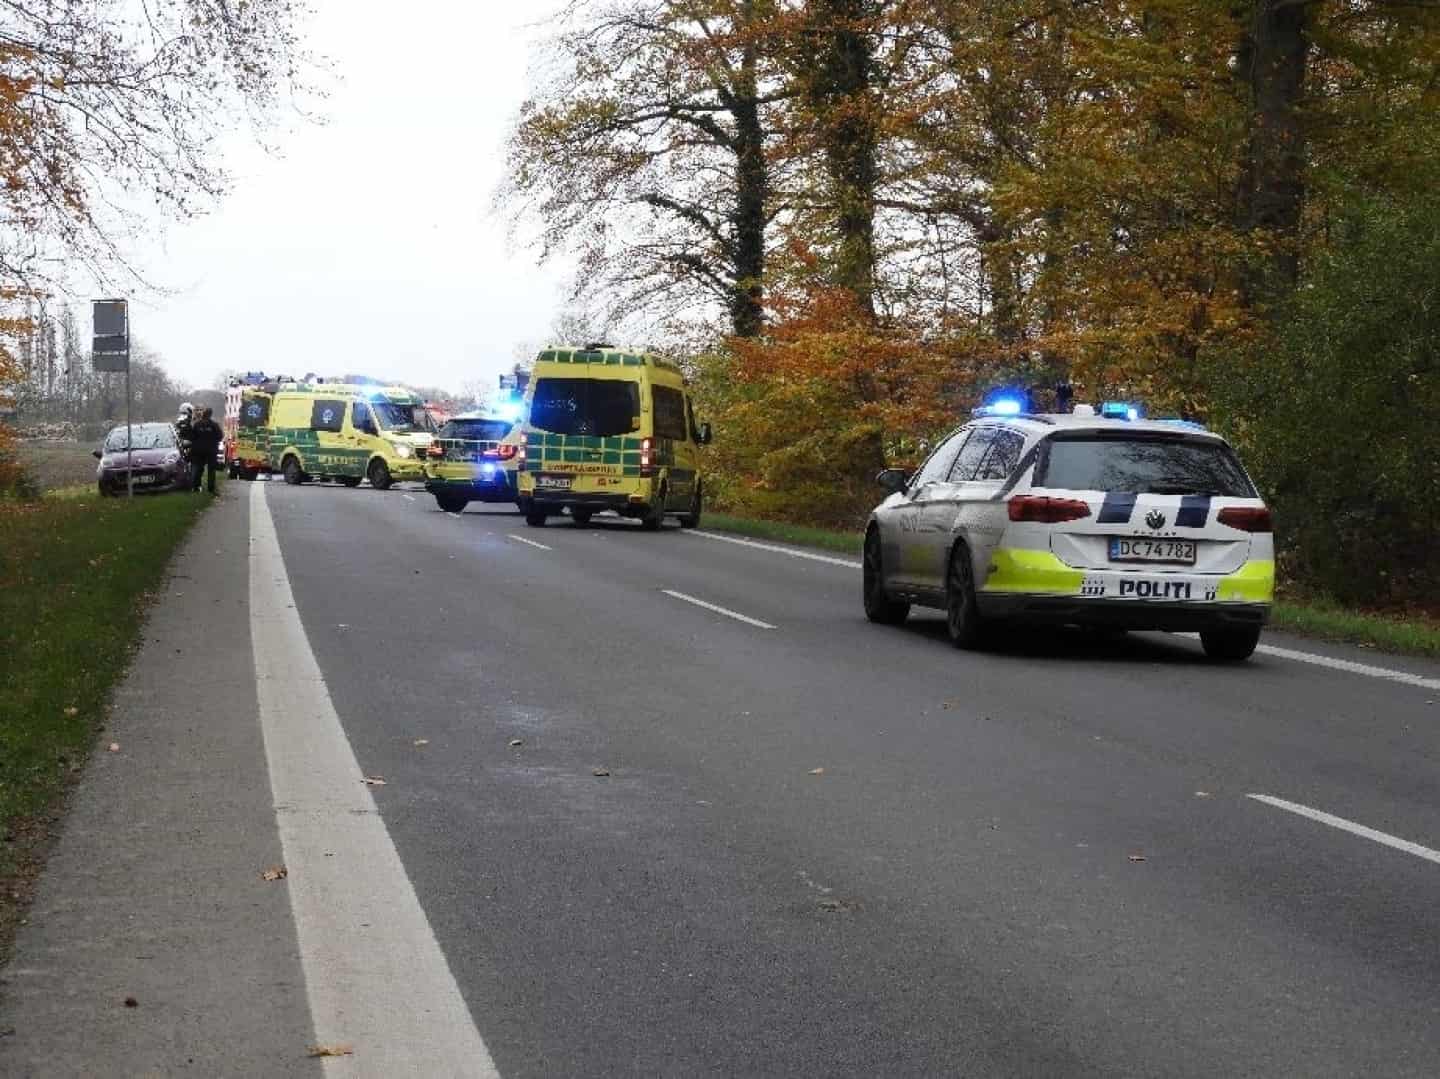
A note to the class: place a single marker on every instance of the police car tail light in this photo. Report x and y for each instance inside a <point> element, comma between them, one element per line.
<point>1037,509</point>
<point>506,452</point>
<point>647,456</point>
<point>1247,518</point>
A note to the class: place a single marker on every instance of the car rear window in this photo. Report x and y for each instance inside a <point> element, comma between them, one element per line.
<point>1143,465</point>
<point>149,436</point>
<point>601,407</point>
<point>477,430</point>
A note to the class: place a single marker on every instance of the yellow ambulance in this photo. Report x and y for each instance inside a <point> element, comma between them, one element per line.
<point>610,429</point>
<point>348,433</point>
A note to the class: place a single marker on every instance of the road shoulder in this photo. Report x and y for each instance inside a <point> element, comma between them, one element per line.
<point>154,893</point>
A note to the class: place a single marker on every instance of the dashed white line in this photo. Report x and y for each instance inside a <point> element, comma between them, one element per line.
<point>719,610</point>
<point>409,498</point>
<point>375,976</point>
<point>1350,826</point>
<point>1403,677</point>
<point>848,563</point>
<point>532,543</point>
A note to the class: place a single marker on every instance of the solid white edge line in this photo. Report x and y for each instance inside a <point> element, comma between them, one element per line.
<point>1349,826</point>
<point>375,976</point>
<point>1350,667</point>
<point>719,610</point>
<point>531,542</point>
<point>828,559</point>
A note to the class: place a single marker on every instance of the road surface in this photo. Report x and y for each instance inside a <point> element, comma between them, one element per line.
<point>817,846</point>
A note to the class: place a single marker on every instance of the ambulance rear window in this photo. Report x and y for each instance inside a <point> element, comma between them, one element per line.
<point>601,407</point>
<point>1162,465</point>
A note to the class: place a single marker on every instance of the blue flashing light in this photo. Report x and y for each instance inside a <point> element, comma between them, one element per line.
<point>509,410</point>
<point>1189,425</point>
<point>1001,406</point>
<point>1119,410</point>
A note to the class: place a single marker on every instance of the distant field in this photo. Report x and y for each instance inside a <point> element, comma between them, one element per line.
<point>58,464</point>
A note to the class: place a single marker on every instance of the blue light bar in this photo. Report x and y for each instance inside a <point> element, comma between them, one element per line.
<point>1119,410</point>
<point>1001,406</point>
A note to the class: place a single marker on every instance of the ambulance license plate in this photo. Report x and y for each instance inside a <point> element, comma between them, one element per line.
<point>1145,549</point>
<point>551,482</point>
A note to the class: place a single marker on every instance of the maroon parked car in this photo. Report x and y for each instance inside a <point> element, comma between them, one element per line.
<point>155,451</point>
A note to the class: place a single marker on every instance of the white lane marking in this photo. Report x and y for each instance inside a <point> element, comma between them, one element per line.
<point>409,498</point>
<point>532,543</point>
<point>1350,826</point>
<point>719,610</point>
<point>375,976</point>
<point>848,563</point>
<point>1404,677</point>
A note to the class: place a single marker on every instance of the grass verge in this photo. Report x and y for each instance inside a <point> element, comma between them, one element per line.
<point>76,573</point>
<point>1404,635</point>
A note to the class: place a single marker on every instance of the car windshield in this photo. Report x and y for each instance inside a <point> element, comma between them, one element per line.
<point>145,436</point>
<point>1144,465</point>
<point>393,417</point>
<point>586,406</point>
<point>477,430</point>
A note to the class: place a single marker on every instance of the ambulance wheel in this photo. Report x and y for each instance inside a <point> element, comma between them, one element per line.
<point>535,518</point>
<point>1230,645</point>
<point>580,517</point>
<point>349,481</point>
<point>249,475</point>
<point>292,471</point>
<point>692,518</point>
<point>962,614</point>
<point>879,607</point>
<point>654,516</point>
<point>452,503</point>
<point>379,475</point>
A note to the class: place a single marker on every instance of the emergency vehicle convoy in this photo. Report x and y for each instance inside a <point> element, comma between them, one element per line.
<point>1103,520</point>
<point>326,431</point>
<point>610,429</point>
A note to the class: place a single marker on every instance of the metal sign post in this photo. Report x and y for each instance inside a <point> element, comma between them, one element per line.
<point>111,352</point>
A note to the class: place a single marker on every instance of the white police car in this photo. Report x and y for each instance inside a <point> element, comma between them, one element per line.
<point>1085,518</point>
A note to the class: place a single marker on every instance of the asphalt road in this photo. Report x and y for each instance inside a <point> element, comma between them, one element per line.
<point>1041,860</point>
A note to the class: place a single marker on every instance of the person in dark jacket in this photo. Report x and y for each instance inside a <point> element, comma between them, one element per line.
<point>184,425</point>
<point>205,436</point>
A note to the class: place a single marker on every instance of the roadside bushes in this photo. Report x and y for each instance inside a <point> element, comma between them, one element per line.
<point>1338,416</point>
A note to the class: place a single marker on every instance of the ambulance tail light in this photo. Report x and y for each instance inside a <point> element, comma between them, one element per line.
<point>1247,518</point>
<point>647,457</point>
<point>520,453</point>
<point>1037,509</point>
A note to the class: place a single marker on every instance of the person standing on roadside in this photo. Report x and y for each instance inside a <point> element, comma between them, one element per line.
<point>184,428</point>
<point>205,438</point>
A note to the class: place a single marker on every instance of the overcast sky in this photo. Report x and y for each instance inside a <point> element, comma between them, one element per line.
<point>367,244</point>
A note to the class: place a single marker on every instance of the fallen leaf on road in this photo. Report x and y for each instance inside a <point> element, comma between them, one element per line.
<point>600,772</point>
<point>515,742</point>
<point>131,1002</point>
<point>330,1051</point>
<point>1137,857</point>
<point>114,747</point>
<point>817,771</point>
<point>72,711</point>
<point>422,741</point>
<point>275,872</point>
<point>375,781</point>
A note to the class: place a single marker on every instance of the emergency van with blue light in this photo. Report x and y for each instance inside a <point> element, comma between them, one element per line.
<point>1094,517</point>
<point>610,429</point>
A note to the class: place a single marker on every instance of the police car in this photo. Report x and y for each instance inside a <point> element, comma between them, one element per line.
<point>1094,518</point>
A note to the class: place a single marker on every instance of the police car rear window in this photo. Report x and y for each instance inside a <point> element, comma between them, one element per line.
<point>1154,465</point>
<point>476,430</point>
<point>601,407</point>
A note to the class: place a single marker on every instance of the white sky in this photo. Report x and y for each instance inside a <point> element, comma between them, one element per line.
<point>368,244</point>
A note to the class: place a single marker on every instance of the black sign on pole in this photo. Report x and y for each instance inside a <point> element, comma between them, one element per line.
<point>110,351</point>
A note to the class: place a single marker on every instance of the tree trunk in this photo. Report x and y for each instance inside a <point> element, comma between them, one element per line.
<point>1272,57</point>
<point>752,187</point>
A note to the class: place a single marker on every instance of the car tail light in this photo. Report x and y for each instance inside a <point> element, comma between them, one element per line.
<point>507,451</point>
<point>435,450</point>
<point>1038,509</point>
<point>647,457</point>
<point>1247,518</point>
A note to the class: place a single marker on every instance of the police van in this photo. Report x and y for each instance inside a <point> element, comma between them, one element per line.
<point>610,429</point>
<point>1095,518</point>
<point>338,431</point>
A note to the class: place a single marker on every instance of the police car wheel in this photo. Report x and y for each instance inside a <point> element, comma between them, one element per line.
<point>962,616</point>
<point>451,503</point>
<point>879,607</point>
<point>1230,645</point>
<point>294,476</point>
<point>379,475</point>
